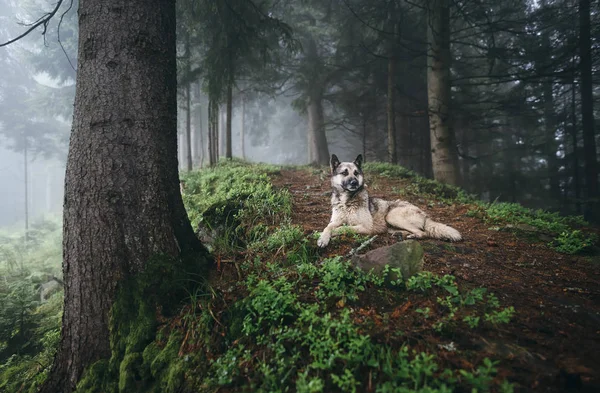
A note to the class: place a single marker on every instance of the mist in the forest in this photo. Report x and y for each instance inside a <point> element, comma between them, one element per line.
<point>357,78</point>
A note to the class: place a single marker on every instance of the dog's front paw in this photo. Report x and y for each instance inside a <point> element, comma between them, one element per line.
<point>323,240</point>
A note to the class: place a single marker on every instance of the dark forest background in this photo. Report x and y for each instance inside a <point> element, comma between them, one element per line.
<point>293,81</point>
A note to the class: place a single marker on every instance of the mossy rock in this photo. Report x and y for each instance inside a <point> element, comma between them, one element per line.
<point>406,256</point>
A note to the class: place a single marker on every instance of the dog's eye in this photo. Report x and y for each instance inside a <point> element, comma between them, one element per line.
<point>355,173</point>
<point>345,173</point>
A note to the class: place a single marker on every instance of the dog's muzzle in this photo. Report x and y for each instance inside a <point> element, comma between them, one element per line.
<point>352,185</point>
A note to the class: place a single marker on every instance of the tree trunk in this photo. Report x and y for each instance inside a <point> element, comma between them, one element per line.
<point>592,209</point>
<point>122,202</point>
<point>213,131</point>
<point>391,116</point>
<point>317,140</point>
<point>551,146</point>
<point>228,152</point>
<point>391,86</point>
<point>199,132</point>
<point>188,107</point>
<point>242,129</point>
<point>576,181</point>
<point>26,186</point>
<point>443,146</point>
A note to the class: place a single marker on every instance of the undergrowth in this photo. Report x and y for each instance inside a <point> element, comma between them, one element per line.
<point>293,322</point>
<point>283,319</point>
<point>565,230</point>
<point>29,325</point>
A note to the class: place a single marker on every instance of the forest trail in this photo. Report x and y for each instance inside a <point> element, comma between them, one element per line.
<point>552,342</point>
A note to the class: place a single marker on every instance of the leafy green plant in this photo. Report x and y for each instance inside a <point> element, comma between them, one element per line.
<point>573,242</point>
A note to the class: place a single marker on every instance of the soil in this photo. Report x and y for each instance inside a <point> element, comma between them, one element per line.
<point>552,343</point>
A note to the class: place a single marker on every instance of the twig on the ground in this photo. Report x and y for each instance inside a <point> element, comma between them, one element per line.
<point>361,247</point>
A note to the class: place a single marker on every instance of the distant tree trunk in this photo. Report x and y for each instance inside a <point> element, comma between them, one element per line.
<point>550,144</point>
<point>199,133</point>
<point>213,131</point>
<point>222,130</point>
<point>391,116</point>
<point>576,181</point>
<point>242,128</point>
<point>391,87</point>
<point>318,151</point>
<point>188,107</point>
<point>317,141</point>
<point>122,201</point>
<point>443,145</point>
<point>228,150</point>
<point>26,186</point>
<point>592,210</point>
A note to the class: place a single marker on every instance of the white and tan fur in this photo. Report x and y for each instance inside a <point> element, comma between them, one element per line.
<point>352,206</point>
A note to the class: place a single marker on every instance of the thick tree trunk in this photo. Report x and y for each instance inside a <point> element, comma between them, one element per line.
<point>592,209</point>
<point>122,201</point>
<point>443,145</point>
<point>317,141</point>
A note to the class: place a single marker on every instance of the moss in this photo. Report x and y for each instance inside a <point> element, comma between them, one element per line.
<point>137,363</point>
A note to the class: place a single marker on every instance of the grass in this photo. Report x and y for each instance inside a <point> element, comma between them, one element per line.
<point>565,230</point>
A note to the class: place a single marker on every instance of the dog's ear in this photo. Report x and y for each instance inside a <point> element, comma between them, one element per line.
<point>335,162</point>
<point>358,162</point>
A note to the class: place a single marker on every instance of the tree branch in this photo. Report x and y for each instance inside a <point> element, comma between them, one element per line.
<point>44,20</point>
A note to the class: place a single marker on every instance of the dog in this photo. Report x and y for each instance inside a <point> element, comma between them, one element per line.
<point>351,205</point>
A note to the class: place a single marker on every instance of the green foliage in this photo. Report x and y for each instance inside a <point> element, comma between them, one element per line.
<point>237,202</point>
<point>29,328</point>
<point>136,362</point>
<point>574,241</point>
<point>567,240</point>
<point>288,338</point>
<point>339,280</point>
<point>419,185</point>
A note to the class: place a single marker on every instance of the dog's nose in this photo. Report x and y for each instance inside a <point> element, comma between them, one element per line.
<point>354,182</point>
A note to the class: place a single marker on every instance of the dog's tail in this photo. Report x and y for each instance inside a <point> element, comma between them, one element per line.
<point>437,230</point>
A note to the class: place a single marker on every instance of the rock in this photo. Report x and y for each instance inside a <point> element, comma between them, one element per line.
<point>406,255</point>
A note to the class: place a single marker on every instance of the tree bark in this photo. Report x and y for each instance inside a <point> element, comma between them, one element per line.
<point>228,150</point>
<point>443,145</point>
<point>551,145</point>
<point>188,107</point>
<point>391,116</point>
<point>242,128</point>
<point>213,131</point>
<point>391,86</point>
<point>592,209</point>
<point>317,141</point>
<point>122,201</point>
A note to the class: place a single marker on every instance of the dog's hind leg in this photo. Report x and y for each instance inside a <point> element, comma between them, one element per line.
<point>413,222</point>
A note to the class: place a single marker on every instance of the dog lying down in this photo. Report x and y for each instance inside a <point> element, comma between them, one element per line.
<point>351,205</point>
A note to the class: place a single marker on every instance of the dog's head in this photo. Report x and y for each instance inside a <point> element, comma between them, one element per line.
<point>346,176</point>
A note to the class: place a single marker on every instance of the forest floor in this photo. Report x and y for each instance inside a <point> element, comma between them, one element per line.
<point>552,343</point>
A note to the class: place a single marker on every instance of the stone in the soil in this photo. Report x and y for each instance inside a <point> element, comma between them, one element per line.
<point>406,255</point>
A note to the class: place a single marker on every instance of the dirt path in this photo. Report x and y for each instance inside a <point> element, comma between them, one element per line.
<point>553,342</point>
